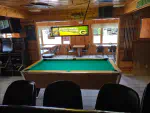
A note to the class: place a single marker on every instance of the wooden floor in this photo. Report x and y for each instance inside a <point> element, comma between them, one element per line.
<point>138,83</point>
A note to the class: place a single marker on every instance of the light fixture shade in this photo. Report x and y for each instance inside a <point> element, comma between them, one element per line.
<point>34,10</point>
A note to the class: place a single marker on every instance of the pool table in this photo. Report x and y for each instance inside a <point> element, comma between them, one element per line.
<point>87,73</point>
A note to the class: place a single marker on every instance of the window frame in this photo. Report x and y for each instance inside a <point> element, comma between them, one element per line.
<point>101,37</point>
<point>40,35</point>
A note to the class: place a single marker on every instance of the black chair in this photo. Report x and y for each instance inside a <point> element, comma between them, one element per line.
<point>118,98</point>
<point>58,49</point>
<point>112,49</point>
<point>63,94</point>
<point>85,50</point>
<point>145,103</point>
<point>52,54</point>
<point>20,92</point>
<point>69,50</point>
<point>100,49</point>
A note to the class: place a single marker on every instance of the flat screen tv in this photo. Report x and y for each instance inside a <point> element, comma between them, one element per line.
<point>10,25</point>
<point>7,45</point>
<point>82,30</point>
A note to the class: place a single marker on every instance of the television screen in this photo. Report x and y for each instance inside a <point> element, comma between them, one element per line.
<point>70,31</point>
<point>4,24</point>
<point>10,25</point>
<point>15,24</point>
<point>7,47</point>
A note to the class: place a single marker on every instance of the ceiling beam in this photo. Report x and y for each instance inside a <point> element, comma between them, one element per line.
<point>131,7</point>
<point>11,12</point>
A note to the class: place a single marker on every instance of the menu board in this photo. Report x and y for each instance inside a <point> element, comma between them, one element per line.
<point>70,31</point>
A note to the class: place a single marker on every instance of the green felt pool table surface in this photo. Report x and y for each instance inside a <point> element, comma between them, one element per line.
<point>73,64</point>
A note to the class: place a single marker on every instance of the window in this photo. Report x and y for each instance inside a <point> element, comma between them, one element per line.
<point>105,33</point>
<point>96,35</point>
<point>50,40</point>
<point>96,39</point>
<point>45,38</point>
<point>110,35</point>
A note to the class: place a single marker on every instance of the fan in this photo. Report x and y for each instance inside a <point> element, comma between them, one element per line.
<point>39,5</point>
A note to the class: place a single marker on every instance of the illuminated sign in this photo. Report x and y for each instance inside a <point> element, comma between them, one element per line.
<point>70,31</point>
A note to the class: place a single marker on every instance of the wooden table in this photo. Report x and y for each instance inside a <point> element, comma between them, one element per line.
<point>106,45</point>
<point>79,49</point>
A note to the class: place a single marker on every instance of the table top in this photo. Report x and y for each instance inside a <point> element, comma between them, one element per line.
<point>41,109</point>
<point>78,46</point>
<point>48,46</point>
<point>74,65</point>
<point>106,45</point>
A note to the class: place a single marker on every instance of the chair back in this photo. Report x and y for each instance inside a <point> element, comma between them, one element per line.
<point>145,103</point>
<point>20,92</point>
<point>55,50</point>
<point>59,48</point>
<point>88,46</point>
<point>118,98</point>
<point>100,49</point>
<point>112,49</point>
<point>67,48</point>
<point>63,94</point>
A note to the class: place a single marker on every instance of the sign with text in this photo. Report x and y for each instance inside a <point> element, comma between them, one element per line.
<point>70,31</point>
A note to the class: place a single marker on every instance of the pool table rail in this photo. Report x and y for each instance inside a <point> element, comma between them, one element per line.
<point>85,79</point>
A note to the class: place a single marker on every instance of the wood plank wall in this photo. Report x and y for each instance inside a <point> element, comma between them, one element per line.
<point>127,33</point>
<point>32,45</point>
<point>145,28</point>
<point>139,46</point>
<point>85,40</point>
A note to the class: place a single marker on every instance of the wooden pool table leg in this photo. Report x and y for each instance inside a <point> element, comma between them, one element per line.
<point>37,91</point>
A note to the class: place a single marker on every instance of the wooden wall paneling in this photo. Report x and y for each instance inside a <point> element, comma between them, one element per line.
<point>38,42</point>
<point>145,28</point>
<point>72,40</point>
<point>141,58</point>
<point>125,43</point>
<point>130,25</point>
<point>130,7</point>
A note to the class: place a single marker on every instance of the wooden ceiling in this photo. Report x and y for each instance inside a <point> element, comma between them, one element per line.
<point>59,9</point>
<point>60,4</point>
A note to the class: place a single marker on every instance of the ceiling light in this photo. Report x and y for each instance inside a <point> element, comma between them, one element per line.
<point>35,10</point>
<point>54,0</point>
<point>118,5</point>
